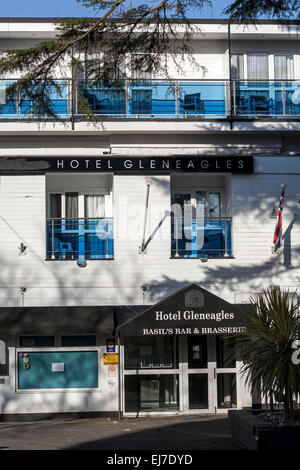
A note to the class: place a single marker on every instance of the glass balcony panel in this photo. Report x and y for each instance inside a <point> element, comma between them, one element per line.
<point>154,98</point>
<point>8,106</point>
<point>210,238</point>
<point>252,99</point>
<point>101,99</point>
<point>280,98</point>
<point>80,239</point>
<point>202,98</point>
<point>288,99</point>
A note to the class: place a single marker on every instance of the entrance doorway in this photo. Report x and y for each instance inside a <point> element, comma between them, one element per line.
<point>178,374</point>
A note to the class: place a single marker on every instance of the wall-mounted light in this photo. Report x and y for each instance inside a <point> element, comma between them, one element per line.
<point>22,290</point>
<point>22,249</point>
<point>82,263</point>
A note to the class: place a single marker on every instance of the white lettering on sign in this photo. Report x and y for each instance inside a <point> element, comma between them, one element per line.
<point>191,315</point>
<point>168,316</point>
<point>74,164</point>
<point>128,164</point>
<point>194,331</point>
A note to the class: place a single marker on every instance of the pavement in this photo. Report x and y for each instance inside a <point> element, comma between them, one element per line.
<point>205,432</point>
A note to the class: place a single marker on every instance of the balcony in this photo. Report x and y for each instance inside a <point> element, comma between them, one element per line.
<point>80,239</point>
<point>204,239</point>
<point>163,99</point>
<point>264,99</point>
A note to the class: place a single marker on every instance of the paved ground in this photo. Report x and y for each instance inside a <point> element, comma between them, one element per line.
<point>163,433</point>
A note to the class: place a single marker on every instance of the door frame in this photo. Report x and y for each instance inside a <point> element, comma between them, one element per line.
<point>183,372</point>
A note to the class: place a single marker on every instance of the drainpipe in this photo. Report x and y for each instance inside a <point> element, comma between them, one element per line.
<point>119,378</point>
<point>142,247</point>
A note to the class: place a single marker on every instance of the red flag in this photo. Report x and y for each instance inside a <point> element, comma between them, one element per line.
<point>277,240</point>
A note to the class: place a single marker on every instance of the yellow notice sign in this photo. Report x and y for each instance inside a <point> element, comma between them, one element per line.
<point>110,359</point>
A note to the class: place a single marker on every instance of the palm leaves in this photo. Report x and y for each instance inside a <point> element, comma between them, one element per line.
<point>267,347</point>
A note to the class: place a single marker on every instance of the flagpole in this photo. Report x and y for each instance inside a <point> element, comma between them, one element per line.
<point>277,239</point>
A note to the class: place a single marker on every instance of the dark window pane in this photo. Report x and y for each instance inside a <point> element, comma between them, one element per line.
<point>224,351</point>
<point>197,352</point>
<point>36,341</point>
<point>55,206</point>
<point>198,391</point>
<point>226,391</point>
<point>82,340</point>
<point>151,393</point>
<point>237,66</point>
<point>150,352</point>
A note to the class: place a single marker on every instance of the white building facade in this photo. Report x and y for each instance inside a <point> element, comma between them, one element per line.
<point>161,214</point>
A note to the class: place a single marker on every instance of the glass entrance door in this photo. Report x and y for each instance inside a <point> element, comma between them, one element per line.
<point>151,374</point>
<point>209,381</point>
<point>179,374</point>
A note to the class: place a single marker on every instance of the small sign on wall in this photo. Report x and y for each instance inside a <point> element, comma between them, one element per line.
<point>58,367</point>
<point>110,345</point>
<point>110,359</point>
<point>111,370</point>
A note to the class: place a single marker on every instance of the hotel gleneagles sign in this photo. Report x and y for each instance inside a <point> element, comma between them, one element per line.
<point>228,164</point>
<point>190,311</point>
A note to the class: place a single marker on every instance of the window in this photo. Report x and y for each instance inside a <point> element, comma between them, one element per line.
<point>156,352</point>
<point>257,66</point>
<point>94,205</point>
<point>78,340</point>
<point>55,206</point>
<point>237,66</point>
<point>283,67</point>
<point>36,341</point>
<point>74,205</point>
<point>151,393</point>
<point>198,228</point>
<point>198,203</point>
<point>80,225</point>
<point>71,205</point>
<point>139,67</point>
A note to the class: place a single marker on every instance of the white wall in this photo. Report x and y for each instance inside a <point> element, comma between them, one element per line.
<point>119,281</point>
<point>104,399</point>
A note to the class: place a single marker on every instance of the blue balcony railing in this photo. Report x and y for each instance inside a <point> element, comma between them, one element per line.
<point>208,238</point>
<point>80,239</point>
<point>269,98</point>
<point>161,99</point>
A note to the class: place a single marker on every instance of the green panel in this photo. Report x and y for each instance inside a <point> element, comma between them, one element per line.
<point>80,370</point>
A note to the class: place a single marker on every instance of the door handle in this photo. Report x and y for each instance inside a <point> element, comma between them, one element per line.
<point>215,374</point>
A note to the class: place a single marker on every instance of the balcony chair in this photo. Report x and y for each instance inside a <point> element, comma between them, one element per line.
<point>61,249</point>
<point>142,101</point>
<point>258,104</point>
<point>192,103</point>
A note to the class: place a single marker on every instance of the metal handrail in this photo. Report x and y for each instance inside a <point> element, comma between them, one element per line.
<point>223,224</point>
<point>213,105</point>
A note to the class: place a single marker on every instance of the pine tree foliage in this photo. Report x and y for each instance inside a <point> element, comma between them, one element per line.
<point>95,48</point>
